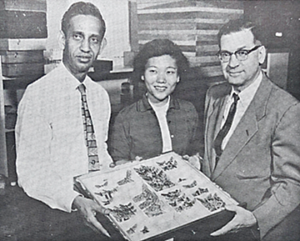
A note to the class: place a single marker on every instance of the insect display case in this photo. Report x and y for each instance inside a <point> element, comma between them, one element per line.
<point>155,198</point>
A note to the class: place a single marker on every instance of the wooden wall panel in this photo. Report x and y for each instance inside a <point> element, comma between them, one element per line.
<point>193,25</point>
<point>23,5</point>
<point>133,27</point>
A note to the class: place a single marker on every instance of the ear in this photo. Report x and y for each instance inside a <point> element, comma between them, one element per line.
<point>262,52</point>
<point>142,78</point>
<point>103,45</point>
<point>178,79</point>
<point>62,40</point>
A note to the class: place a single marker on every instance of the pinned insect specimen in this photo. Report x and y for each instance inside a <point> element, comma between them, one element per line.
<point>127,179</point>
<point>168,165</point>
<point>145,230</point>
<point>161,163</point>
<point>151,204</point>
<point>102,185</point>
<point>187,203</point>
<point>172,195</point>
<point>200,191</point>
<point>123,212</point>
<point>178,200</point>
<point>181,198</point>
<point>146,194</point>
<point>153,210</point>
<point>212,202</point>
<point>193,184</point>
<point>155,177</point>
<point>179,209</point>
<point>107,195</point>
<point>132,229</point>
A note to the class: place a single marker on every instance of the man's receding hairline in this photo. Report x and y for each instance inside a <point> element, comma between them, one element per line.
<point>240,30</point>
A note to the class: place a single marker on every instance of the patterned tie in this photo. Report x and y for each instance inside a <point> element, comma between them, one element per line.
<point>224,131</point>
<point>90,138</point>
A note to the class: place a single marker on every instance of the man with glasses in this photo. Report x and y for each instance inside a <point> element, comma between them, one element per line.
<point>252,141</point>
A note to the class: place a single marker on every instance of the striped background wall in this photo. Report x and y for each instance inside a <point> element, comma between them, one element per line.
<point>193,25</point>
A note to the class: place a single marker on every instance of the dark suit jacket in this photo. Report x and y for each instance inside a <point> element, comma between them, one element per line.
<point>260,165</point>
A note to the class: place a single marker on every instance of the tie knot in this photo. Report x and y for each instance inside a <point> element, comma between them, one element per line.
<point>81,88</point>
<point>235,97</point>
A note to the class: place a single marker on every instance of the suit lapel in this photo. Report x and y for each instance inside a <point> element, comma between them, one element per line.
<point>246,129</point>
<point>242,134</point>
<point>214,122</point>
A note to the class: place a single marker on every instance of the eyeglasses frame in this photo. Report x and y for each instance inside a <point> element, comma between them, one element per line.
<point>235,53</point>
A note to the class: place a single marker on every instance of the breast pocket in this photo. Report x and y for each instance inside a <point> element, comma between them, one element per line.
<point>253,168</point>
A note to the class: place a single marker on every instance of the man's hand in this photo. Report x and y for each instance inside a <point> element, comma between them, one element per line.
<point>120,162</point>
<point>194,160</point>
<point>88,209</point>
<point>242,219</point>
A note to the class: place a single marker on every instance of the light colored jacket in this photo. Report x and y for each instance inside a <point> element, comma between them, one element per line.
<point>260,165</point>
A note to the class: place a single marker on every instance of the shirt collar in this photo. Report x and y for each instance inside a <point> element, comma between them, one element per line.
<point>143,104</point>
<point>161,108</point>
<point>70,80</point>
<point>247,94</point>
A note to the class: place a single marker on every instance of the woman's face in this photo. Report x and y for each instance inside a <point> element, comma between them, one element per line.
<point>160,78</point>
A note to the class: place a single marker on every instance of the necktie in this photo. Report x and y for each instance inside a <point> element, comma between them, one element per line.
<point>224,131</point>
<point>90,138</point>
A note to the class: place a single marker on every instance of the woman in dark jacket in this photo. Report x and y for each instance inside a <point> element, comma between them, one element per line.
<point>158,122</point>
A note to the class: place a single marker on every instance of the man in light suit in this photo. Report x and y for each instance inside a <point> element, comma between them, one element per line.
<point>257,159</point>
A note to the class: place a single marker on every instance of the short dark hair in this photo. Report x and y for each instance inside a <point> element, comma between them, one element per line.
<point>81,8</point>
<point>237,25</point>
<point>156,48</point>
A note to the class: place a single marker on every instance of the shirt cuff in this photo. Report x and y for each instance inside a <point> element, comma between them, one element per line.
<point>73,208</point>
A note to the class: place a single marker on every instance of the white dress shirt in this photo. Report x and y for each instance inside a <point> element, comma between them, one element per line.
<point>50,140</point>
<point>161,114</point>
<point>245,98</point>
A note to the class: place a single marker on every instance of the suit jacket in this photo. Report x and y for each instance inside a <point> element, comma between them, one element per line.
<point>260,165</point>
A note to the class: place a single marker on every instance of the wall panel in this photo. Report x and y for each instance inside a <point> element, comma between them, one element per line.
<point>193,25</point>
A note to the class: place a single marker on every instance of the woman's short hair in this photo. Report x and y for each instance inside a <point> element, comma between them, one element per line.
<point>81,8</point>
<point>156,48</point>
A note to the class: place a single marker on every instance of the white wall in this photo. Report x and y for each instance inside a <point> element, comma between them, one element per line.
<point>115,14</point>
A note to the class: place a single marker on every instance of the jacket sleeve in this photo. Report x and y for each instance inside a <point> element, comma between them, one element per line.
<point>284,194</point>
<point>196,142</point>
<point>205,161</point>
<point>120,139</point>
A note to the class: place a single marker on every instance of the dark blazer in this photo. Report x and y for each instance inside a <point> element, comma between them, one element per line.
<point>260,165</point>
<point>136,130</point>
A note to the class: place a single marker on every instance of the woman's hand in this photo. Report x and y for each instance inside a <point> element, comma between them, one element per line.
<point>194,160</point>
<point>120,162</point>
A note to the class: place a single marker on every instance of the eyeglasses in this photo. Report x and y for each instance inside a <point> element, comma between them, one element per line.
<point>241,54</point>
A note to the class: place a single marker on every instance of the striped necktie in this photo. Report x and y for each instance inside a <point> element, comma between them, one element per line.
<point>90,138</point>
<point>225,129</point>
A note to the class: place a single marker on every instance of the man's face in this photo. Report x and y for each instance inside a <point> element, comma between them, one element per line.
<point>160,77</point>
<point>239,73</point>
<point>82,43</point>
